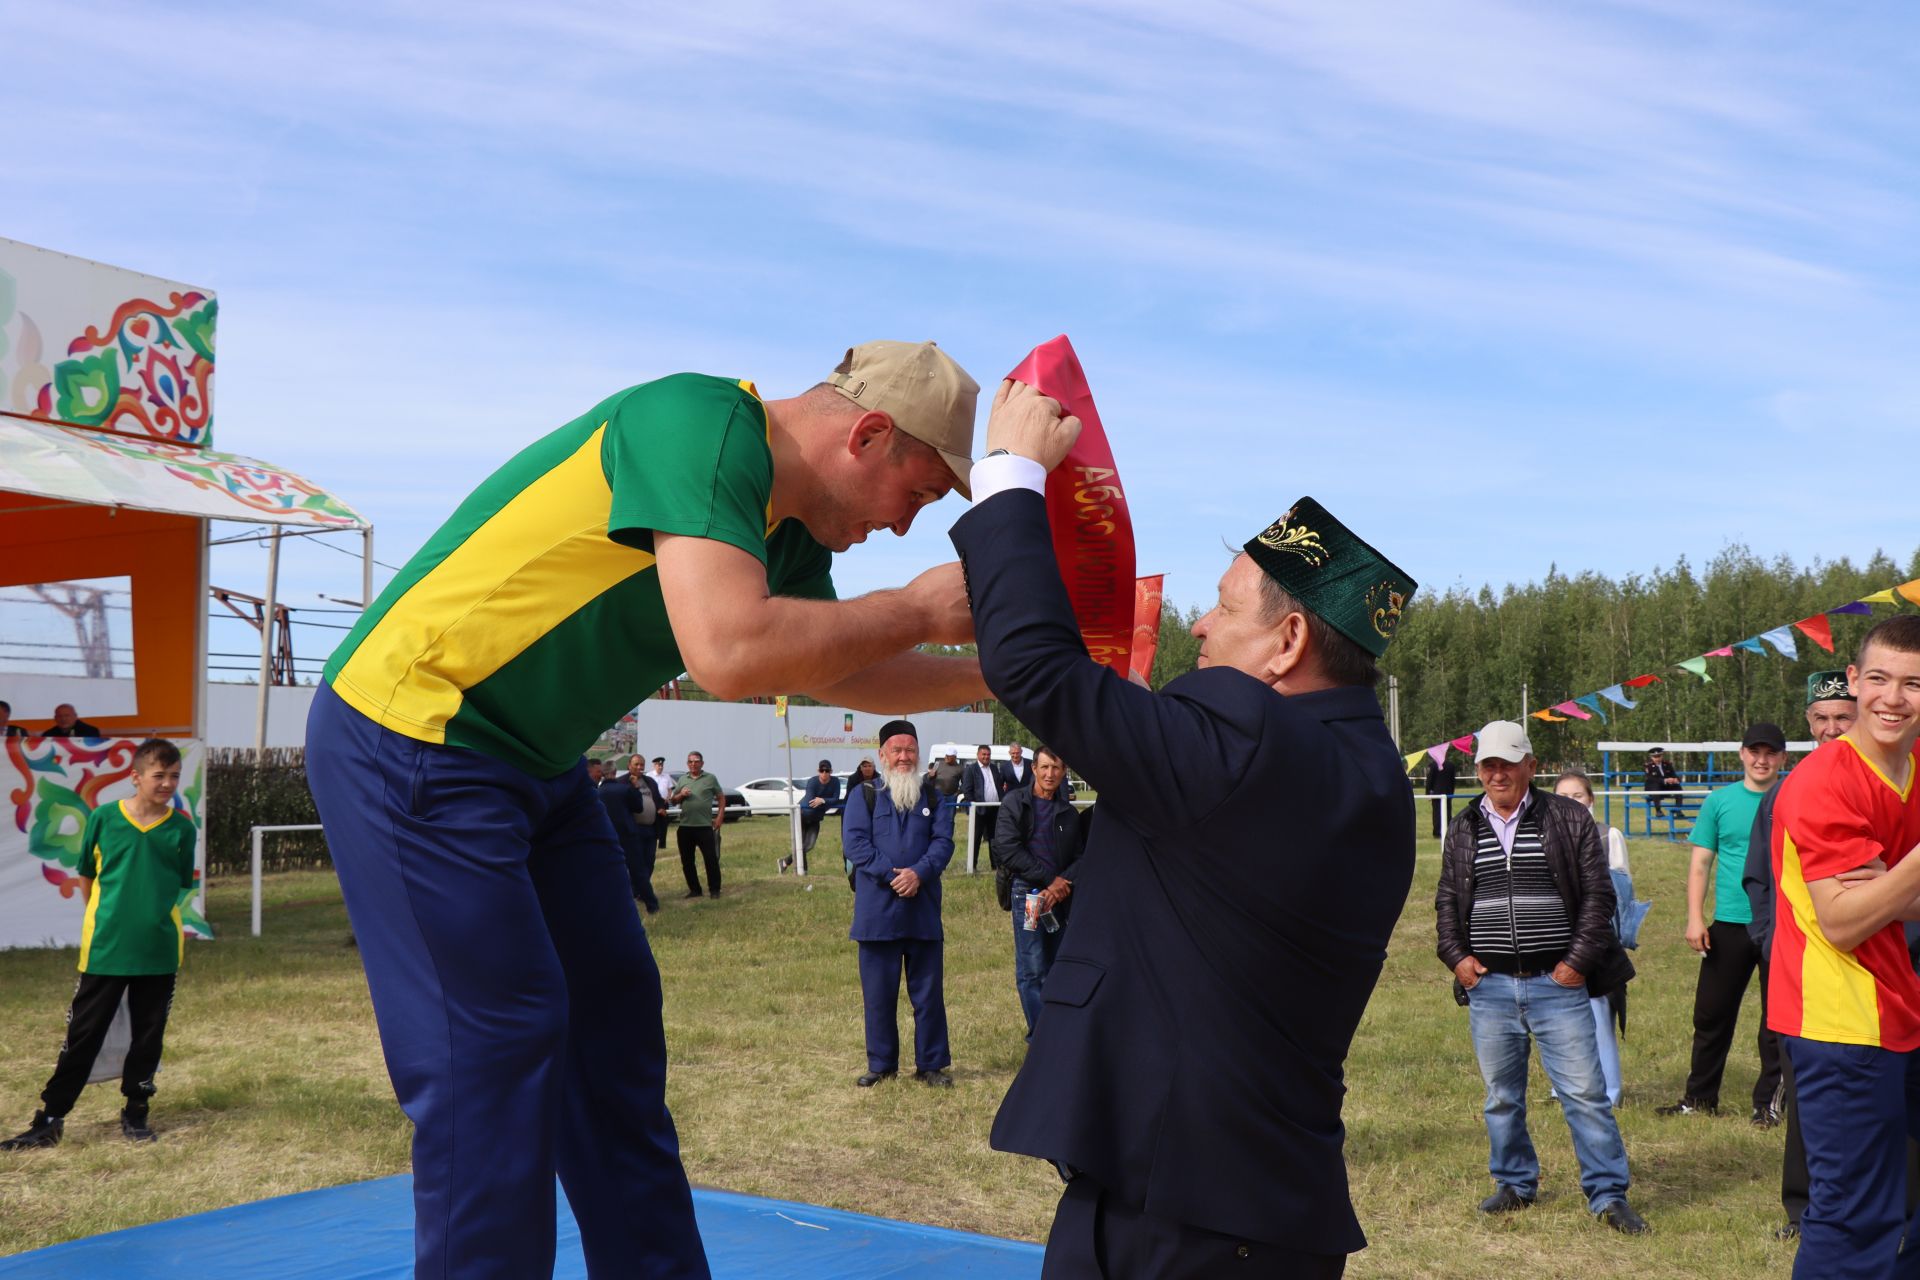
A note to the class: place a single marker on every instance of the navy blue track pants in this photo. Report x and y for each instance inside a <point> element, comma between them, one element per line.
<point>517,999</point>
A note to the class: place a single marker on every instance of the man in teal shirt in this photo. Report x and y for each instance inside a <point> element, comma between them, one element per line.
<point>1728,954</point>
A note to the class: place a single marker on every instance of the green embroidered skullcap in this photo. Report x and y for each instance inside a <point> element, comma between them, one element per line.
<point>1825,685</point>
<point>1326,567</point>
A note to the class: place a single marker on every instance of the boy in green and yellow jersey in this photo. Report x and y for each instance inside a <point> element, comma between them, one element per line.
<point>136,859</point>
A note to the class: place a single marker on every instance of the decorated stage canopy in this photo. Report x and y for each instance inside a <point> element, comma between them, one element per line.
<point>108,479</point>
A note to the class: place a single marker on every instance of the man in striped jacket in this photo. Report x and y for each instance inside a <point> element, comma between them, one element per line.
<point>1525,921</point>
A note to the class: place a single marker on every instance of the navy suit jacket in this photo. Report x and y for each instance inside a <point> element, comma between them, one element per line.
<point>830,792</point>
<point>876,843</point>
<point>624,806</point>
<point>1225,937</point>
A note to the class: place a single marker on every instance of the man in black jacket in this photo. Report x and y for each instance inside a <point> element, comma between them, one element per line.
<point>1524,914</point>
<point>1661,779</point>
<point>1831,711</point>
<point>631,806</point>
<point>983,784</point>
<point>1441,775</point>
<point>1036,842</point>
<point>1187,1070</point>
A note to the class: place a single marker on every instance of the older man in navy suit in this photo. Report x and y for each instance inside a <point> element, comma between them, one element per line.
<point>1226,935</point>
<point>898,835</point>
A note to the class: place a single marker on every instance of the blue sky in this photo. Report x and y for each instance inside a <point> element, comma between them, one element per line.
<point>1503,285</point>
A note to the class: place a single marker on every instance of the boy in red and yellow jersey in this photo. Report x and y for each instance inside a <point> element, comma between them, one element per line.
<point>1844,991</point>
<point>136,857</point>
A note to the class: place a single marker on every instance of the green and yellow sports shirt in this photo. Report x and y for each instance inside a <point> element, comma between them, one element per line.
<point>533,619</point>
<point>133,912</point>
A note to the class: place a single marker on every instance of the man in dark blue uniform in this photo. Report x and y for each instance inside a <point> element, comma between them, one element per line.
<point>899,838</point>
<point>1226,937</point>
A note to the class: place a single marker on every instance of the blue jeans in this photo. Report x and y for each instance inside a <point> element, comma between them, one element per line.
<point>1509,1014</point>
<point>1033,953</point>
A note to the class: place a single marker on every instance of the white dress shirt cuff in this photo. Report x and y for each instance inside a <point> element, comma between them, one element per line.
<point>1005,471</point>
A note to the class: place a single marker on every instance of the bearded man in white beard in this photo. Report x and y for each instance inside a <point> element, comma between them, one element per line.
<point>898,844</point>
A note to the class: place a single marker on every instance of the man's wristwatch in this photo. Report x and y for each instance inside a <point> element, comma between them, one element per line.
<point>995,453</point>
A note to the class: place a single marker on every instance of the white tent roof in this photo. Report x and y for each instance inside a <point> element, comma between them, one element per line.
<point>98,468</point>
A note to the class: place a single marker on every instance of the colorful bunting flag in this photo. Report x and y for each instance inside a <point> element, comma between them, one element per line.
<point>1414,759</point>
<point>1617,694</point>
<point>1588,705</point>
<point>1818,630</point>
<point>1911,590</point>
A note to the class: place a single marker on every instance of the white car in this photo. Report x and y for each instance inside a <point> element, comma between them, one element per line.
<point>773,795</point>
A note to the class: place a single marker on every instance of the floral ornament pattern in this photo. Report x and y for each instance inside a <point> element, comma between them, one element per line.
<point>1386,604</point>
<point>150,373</point>
<point>1284,535</point>
<point>50,786</point>
<point>247,482</point>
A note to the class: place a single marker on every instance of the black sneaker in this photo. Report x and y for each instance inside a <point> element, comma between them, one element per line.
<point>1619,1215</point>
<point>1764,1118</point>
<point>1505,1200</point>
<point>133,1125</point>
<point>1689,1106</point>
<point>695,893</point>
<point>938,1078</point>
<point>1787,1231</point>
<point>43,1132</point>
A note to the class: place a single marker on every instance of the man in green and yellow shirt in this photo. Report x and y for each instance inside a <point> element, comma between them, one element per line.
<point>136,861</point>
<point>686,525</point>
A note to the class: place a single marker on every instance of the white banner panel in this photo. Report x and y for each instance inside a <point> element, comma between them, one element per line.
<point>49,786</point>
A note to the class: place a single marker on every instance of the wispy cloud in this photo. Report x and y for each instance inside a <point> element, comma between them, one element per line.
<point>1410,258</point>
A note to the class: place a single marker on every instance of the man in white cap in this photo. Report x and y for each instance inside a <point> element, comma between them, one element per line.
<point>690,526</point>
<point>1524,914</point>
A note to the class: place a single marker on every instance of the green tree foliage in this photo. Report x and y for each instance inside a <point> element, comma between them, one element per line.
<point>1461,657</point>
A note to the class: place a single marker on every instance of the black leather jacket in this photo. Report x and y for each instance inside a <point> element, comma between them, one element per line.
<point>1011,846</point>
<point>1578,860</point>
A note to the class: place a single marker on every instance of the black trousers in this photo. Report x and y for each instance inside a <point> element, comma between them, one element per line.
<point>95,1000</point>
<point>1731,959</point>
<point>1794,1179</point>
<point>984,818</point>
<point>707,841</point>
<point>1096,1238</point>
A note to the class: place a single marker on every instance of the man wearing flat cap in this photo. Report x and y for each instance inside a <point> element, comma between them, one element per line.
<point>1831,711</point>
<point>1524,915</point>
<point>690,526</point>
<point>1727,951</point>
<point>1186,1074</point>
<point>898,837</point>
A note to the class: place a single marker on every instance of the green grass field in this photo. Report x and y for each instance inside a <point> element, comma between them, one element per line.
<point>273,1083</point>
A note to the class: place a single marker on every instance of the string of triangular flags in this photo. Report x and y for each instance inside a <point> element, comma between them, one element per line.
<point>1593,706</point>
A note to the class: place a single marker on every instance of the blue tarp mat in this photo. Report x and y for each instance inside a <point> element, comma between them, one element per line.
<point>364,1231</point>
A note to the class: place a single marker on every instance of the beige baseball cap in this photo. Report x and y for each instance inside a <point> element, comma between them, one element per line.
<point>926,393</point>
<point>1502,740</point>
